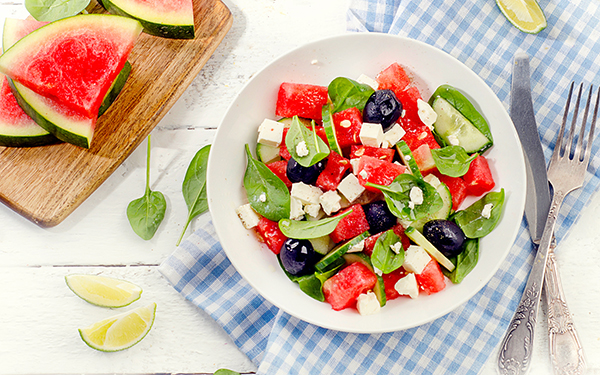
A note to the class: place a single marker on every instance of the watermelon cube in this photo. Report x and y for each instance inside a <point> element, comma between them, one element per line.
<point>431,279</point>
<point>370,243</point>
<point>377,171</point>
<point>393,78</point>
<point>350,226</point>
<point>343,289</point>
<point>303,100</point>
<point>387,154</point>
<point>408,98</point>
<point>389,283</point>
<point>424,159</point>
<point>418,134</point>
<point>280,170</point>
<point>347,127</point>
<point>457,187</point>
<point>333,173</point>
<point>269,233</point>
<point>479,178</point>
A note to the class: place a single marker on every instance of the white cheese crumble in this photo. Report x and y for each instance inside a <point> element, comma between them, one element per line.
<point>396,248</point>
<point>416,195</point>
<point>392,136</point>
<point>262,197</point>
<point>426,113</point>
<point>415,259</point>
<point>486,212</point>
<point>363,174</point>
<point>312,209</point>
<point>296,209</point>
<point>363,78</point>
<point>301,149</point>
<point>330,201</point>
<point>408,286</point>
<point>357,248</point>
<point>307,194</point>
<point>248,216</point>
<point>367,304</point>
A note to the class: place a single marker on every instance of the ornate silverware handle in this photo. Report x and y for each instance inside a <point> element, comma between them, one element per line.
<point>565,348</point>
<point>515,352</point>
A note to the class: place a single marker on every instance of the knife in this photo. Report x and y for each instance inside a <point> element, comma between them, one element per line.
<point>566,351</point>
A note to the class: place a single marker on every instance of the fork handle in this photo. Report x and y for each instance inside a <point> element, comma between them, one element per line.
<point>516,349</point>
<point>566,351</point>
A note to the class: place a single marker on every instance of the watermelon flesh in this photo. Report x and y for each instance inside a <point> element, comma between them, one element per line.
<point>74,60</point>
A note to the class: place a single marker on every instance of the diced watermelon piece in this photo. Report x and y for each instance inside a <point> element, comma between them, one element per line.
<point>342,289</point>
<point>270,234</point>
<point>370,243</point>
<point>457,187</point>
<point>377,171</point>
<point>424,159</point>
<point>350,226</point>
<point>399,231</point>
<point>393,78</point>
<point>387,154</point>
<point>431,279</point>
<point>417,135</point>
<point>408,98</point>
<point>280,170</point>
<point>303,100</point>
<point>347,135</point>
<point>479,178</point>
<point>333,173</point>
<point>389,283</point>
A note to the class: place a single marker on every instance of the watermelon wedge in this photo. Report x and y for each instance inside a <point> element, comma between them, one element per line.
<point>74,60</point>
<point>165,18</point>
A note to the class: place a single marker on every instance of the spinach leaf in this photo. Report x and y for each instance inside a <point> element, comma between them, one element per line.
<point>305,229</point>
<point>52,10</point>
<point>194,187</point>
<point>464,262</point>
<point>346,93</point>
<point>266,193</point>
<point>317,150</point>
<point>383,257</point>
<point>146,213</point>
<point>224,371</point>
<point>473,222</point>
<point>464,106</point>
<point>397,197</point>
<point>452,161</point>
<point>312,286</point>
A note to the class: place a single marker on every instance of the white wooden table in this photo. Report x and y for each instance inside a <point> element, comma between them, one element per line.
<point>39,315</point>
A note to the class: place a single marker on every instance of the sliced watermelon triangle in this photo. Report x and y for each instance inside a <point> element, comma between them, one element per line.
<point>74,60</point>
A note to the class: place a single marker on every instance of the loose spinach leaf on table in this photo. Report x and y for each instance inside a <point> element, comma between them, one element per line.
<point>224,371</point>
<point>346,93</point>
<point>52,10</point>
<point>266,193</point>
<point>194,187</point>
<point>317,149</point>
<point>471,220</point>
<point>383,257</point>
<point>146,213</point>
<point>452,161</point>
<point>305,229</point>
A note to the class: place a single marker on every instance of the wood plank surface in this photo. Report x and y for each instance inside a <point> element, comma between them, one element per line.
<point>45,184</point>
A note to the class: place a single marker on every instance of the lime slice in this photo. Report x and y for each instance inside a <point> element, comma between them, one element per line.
<point>103,291</point>
<point>120,331</point>
<point>525,15</point>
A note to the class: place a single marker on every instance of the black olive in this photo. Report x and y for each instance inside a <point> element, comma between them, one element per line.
<point>379,217</point>
<point>446,236</point>
<point>297,173</point>
<point>297,256</point>
<point>383,108</point>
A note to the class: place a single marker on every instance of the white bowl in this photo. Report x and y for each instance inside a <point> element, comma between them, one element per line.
<point>319,63</point>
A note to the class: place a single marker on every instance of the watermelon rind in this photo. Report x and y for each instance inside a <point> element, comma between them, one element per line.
<point>115,89</point>
<point>173,25</point>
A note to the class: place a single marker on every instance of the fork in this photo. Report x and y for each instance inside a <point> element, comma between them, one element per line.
<point>566,173</point>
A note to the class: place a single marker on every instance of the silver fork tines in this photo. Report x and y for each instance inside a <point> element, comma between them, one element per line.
<point>566,173</point>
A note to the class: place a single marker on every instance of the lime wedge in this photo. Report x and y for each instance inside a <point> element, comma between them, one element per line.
<point>103,291</point>
<point>120,331</point>
<point>525,15</point>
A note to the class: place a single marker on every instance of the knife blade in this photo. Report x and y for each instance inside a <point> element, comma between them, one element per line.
<point>566,351</point>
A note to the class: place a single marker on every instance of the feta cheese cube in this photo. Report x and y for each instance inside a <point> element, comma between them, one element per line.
<point>312,209</point>
<point>367,304</point>
<point>357,248</point>
<point>415,259</point>
<point>248,216</point>
<point>296,209</point>
<point>301,149</point>
<point>426,113</point>
<point>350,188</point>
<point>408,286</point>
<point>270,133</point>
<point>330,201</point>
<point>486,212</point>
<point>371,134</point>
<point>392,136</point>
<point>354,165</point>
<point>307,194</point>
<point>363,78</point>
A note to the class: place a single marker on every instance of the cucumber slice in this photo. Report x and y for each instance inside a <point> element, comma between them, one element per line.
<point>321,245</point>
<point>418,238</point>
<point>408,158</point>
<point>266,153</point>
<point>337,252</point>
<point>330,130</point>
<point>442,213</point>
<point>453,127</point>
<point>379,288</point>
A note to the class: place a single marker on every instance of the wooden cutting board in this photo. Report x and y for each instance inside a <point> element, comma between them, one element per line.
<point>45,184</point>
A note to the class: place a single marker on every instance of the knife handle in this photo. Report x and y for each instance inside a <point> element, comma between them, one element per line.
<point>566,351</point>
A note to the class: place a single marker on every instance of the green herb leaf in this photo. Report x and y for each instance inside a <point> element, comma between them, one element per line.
<point>452,161</point>
<point>194,187</point>
<point>397,197</point>
<point>298,133</point>
<point>383,257</point>
<point>473,222</point>
<point>52,10</point>
<point>305,229</point>
<point>266,193</point>
<point>224,371</point>
<point>464,262</point>
<point>346,93</point>
<point>146,213</point>
<point>312,285</point>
